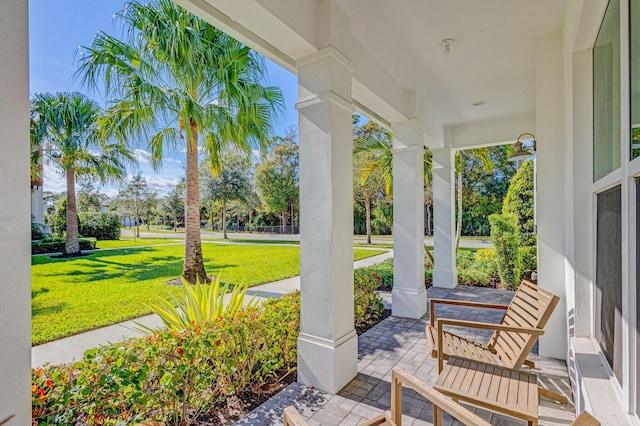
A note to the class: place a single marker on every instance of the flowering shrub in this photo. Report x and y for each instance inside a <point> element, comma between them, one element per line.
<point>171,376</point>
<point>368,304</point>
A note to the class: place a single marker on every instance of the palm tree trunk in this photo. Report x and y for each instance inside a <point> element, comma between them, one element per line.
<point>224,219</point>
<point>250,220</point>
<point>459,227</point>
<point>292,216</point>
<point>367,209</point>
<point>193,269</point>
<point>72,245</point>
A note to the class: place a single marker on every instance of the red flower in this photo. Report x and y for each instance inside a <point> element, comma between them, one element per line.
<point>180,351</point>
<point>48,383</point>
<point>41,392</point>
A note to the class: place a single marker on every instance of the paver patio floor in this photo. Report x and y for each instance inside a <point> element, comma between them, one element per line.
<point>400,342</point>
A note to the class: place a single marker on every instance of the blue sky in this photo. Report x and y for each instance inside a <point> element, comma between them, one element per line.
<point>57,28</point>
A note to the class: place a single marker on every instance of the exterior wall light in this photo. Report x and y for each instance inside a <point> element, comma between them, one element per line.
<point>522,154</point>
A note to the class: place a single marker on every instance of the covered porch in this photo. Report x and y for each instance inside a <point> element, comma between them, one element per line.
<point>509,68</point>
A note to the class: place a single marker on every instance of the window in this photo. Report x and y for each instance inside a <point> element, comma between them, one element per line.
<point>606,94</point>
<point>609,277</point>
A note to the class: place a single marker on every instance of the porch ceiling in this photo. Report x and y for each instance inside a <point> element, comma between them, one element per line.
<point>491,59</point>
<point>395,49</point>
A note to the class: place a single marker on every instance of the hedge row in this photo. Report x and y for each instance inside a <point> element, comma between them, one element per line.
<point>56,245</point>
<point>101,226</point>
<point>171,377</point>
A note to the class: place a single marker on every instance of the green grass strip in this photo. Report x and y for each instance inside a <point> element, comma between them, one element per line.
<point>106,287</point>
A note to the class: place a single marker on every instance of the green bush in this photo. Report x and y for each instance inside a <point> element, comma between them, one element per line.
<point>506,241</point>
<point>529,256</point>
<point>519,201</point>
<point>472,271</point>
<point>368,306</point>
<point>382,272</point>
<point>37,232</point>
<point>170,376</point>
<point>56,245</point>
<point>486,255</point>
<point>101,226</point>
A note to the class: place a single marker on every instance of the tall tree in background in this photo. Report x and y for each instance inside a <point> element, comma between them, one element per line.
<point>177,81</point>
<point>172,205</point>
<point>367,190</point>
<point>231,183</point>
<point>277,177</point>
<point>463,161</point>
<point>89,198</point>
<point>137,199</point>
<point>64,124</point>
<point>483,191</point>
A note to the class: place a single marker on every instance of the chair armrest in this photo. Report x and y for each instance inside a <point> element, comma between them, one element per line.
<point>487,326</point>
<point>481,325</point>
<point>432,303</point>
<point>400,377</point>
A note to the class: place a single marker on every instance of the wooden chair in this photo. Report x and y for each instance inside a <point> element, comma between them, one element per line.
<point>513,338</point>
<point>523,321</point>
<point>440,402</point>
<point>399,378</point>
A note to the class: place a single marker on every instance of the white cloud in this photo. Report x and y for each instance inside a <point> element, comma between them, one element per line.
<point>255,156</point>
<point>173,161</point>
<point>142,156</point>
<point>161,185</point>
<point>53,181</point>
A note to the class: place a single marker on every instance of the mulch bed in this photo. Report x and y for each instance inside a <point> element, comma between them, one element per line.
<point>238,406</point>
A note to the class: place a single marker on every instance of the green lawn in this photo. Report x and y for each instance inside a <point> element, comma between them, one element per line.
<point>74,295</point>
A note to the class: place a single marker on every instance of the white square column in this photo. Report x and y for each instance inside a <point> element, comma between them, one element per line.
<point>444,271</point>
<point>409,295</point>
<point>551,176</point>
<point>327,346</point>
<point>15,232</point>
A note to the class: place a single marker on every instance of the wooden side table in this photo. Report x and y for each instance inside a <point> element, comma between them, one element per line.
<point>500,389</point>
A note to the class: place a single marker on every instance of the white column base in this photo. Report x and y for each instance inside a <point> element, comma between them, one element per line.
<point>325,364</point>
<point>445,278</point>
<point>409,303</point>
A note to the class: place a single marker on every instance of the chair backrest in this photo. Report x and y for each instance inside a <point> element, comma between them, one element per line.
<point>530,307</point>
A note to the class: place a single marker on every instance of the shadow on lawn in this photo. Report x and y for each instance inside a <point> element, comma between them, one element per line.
<point>54,308</point>
<point>99,267</point>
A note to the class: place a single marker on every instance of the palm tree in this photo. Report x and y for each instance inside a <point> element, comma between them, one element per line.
<point>177,81</point>
<point>373,154</point>
<point>64,126</point>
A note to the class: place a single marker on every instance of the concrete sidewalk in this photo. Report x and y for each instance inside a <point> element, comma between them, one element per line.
<point>73,348</point>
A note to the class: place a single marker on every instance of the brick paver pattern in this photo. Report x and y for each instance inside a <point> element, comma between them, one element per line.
<point>401,342</point>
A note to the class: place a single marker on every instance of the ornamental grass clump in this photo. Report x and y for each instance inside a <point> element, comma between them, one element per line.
<point>174,377</point>
<point>200,302</point>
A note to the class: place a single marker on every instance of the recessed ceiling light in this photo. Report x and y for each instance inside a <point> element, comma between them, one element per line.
<point>478,103</point>
<point>446,44</point>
